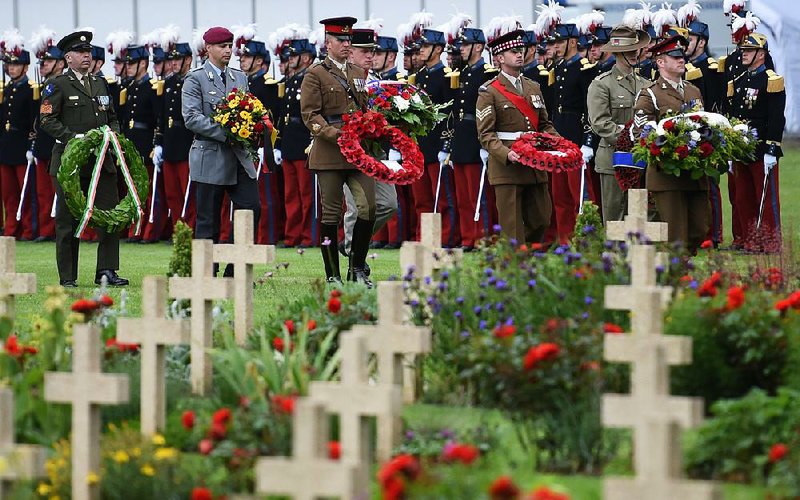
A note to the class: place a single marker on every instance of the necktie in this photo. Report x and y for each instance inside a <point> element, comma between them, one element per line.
<point>85,82</point>
<point>224,81</point>
<point>518,86</point>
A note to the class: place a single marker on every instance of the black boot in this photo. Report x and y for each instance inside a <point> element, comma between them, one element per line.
<point>362,234</point>
<point>330,252</point>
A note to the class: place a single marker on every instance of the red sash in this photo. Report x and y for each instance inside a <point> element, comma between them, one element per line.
<point>519,102</point>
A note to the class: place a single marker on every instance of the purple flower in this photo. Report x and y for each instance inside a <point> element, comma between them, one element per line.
<point>660,269</point>
<point>458,315</point>
<point>464,334</point>
<point>482,324</point>
<point>477,310</point>
<point>588,228</point>
<point>588,300</point>
<point>560,250</point>
<point>410,434</point>
<point>326,242</point>
<point>693,284</point>
<point>442,286</point>
<point>445,275</point>
<point>427,280</point>
<point>414,303</point>
<point>501,285</point>
<point>585,315</point>
<point>488,271</point>
<point>500,307</point>
<point>496,228</point>
<point>459,300</point>
<point>513,242</point>
<point>531,283</point>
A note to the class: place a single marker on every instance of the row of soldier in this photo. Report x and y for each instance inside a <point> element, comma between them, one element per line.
<point>563,57</point>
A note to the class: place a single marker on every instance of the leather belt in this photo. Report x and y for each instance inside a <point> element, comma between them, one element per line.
<point>509,136</point>
<point>565,109</point>
<point>331,119</point>
<point>294,120</point>
<point>467,117</point>
<point>139,126</point>
<point>175,123</point>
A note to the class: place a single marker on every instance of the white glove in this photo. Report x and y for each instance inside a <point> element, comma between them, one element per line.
<point>769,162</point>
<point>394,155</point>
<point>588,153</point>
<point>158,155</point>
<point>277,155</point>
<point>484,155</point>
<point>730,166</point>
<point>29,157</point>
<point>260,156</point>
<point>442,157</point>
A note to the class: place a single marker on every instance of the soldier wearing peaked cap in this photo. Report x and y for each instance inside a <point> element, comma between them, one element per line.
<point>610,102</point>
<point>682,202</point>
<point>508,106</point>
<point>72,104</point>
<point>758,96</point>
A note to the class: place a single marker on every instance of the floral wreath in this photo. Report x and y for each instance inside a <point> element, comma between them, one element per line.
<point>372,126</point>
<point>626,171</point>
<point>78,152</point>
<point>548,152</point>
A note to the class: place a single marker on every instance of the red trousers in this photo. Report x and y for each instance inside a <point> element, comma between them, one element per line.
<point>566,194</point>
<point>176,177</point>
<point>298,195</point>
<point>272,222</point>
<point>715,200</point>
<point>159,228</point>
<point>44,197</point>
<point>467,185</point>
<point>424,191</point>
<point>11,179</point>
<point>749,184</point>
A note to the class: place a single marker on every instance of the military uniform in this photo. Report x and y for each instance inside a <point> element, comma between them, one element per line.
<point>759,97</point>
<point>682,202</point>
<point>69,107</point>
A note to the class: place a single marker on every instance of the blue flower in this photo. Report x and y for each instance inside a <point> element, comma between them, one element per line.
<point>588,300</point>
<point>427,280</point>
<point>464,334</point>
<point>459,300</point>
<point>414,303</point>
<point>496,228</point>
<point>693,284</point>
<point>531,283</point>
<point>477,310</point>
<point>588,228</point>
<point>500,307</point>
<point>585,315</point>
<point>513,242</point>
<point>501,285</point>
<point>660,269</point>
<point>488,271</point>
<point>482,324</point>
<point>458,315</point>
<point>445,275</point>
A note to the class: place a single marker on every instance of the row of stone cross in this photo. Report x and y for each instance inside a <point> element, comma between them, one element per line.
<point>655,417</point>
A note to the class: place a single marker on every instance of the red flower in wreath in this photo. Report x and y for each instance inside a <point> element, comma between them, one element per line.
<point>372,125</point>
<point>669,126</point>
<point>683,152</point>
<point>547,152</point>
<point>706,149</point>
<point>654,150</point>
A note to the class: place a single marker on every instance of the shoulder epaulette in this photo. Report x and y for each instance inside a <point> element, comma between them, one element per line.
<point>485,86</point>
<point>713,66</point>
<point>158,86</point>
<point>448,70</point>
<point>711,60</point>
<point>268,80</point>
<point>721,64</point>
<point>37,89</point>
<point>551,77</point>
<point>729,92</point>
<point>490,69</point>
<point>587,65</point>
<point>584,61</point>
<point>236,70</point>
<point>693,72</point>
<point>110,80</point>
<point>193,70</point>
<point>602,75</point>
<point>775,82</point>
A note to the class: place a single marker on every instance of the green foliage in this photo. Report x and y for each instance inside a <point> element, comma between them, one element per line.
<point>429,442</point>
<point>180,263</point>
<point>590,233</point>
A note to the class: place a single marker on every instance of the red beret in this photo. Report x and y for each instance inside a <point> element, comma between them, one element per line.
<point>218,34</point>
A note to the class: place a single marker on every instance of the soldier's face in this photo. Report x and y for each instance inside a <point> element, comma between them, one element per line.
<point>80,61</point>
<point>362,57</point>
<point>158,68</point>
<point>512,58</point>
<point>16,70</point>
<point>46,67</point>
<point>338,48</point>
<point>750,57</point>
<point>246,63</point>
<point>407,62</point>
<point>119,67</point>
<point>672,65</point>
<point>220,53</point>
<point>560,48</point>
<point>595,53</point>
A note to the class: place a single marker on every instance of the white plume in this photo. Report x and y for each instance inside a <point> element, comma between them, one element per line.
<point>169,36</point>
<point>41,40</point>
<point>688,13</point>
<point>317,36</point>
<point>12,42</point>
<point>548,15</point>
<point>734,6</point>
<point>374,24</point>
<point>663,19</point>
<point>500,25</point>
<point>453,27</point>
<point>748,22</point>
<point>198,44</point>
<point>587,23</point>
<point>118,40</point>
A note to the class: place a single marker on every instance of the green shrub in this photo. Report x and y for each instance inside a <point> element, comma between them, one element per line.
<point>180,264</point>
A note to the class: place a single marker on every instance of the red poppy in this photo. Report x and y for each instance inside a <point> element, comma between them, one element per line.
<point>504,331</point>
<point>289,324</point>
<point>543,352</point>
<point>311,325</point>
<point>187,419</point>
<point>278,344</point>
<point>503,488</point>
<point>735,298</point>
<point>84,306</point>
<point>221,416</point>
<point>709,286</point>
<point>12,346</point>
<point>283,404</point>
<point>669,125</point>
<point>334,450</point>
<point>217,431</point>
<point>201,494</point>
<point>655,150</point>
<point>612,328</point>
<point>777,452</point>
<point>545,493</point>
<point>106,301</point>
<point>334,305</point>
<point>403,465</point>
<point>464,453</point>
<point>205,446</point>
<point>706,149</point>
<point>706,244</point>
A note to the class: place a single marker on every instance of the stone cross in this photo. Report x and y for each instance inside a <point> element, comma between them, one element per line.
<point>86,388</point>
<point>390,340</point>
<point>656,417</point>
<point>309,474</point>
<point>21,461</point>
<point>427,255</point>
<point>355,398</point>
<point>11,283</point>
<point>636,221</point>
<point>202,289</point>
<point>243,254</point>
<point>153,332</point>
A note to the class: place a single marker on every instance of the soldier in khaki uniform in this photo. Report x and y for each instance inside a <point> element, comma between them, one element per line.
<point>330,89</point>
<point>610,103</point>
<point>682,202</point>
<point>508,106</point>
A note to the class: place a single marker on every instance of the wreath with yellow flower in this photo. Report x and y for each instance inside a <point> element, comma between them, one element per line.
<point>244,119</point>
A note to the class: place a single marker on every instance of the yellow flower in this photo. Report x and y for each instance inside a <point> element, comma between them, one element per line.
<point>159,440</point>
<point>136,452</point>
<point>244,133</point>
<point>55,497</point>
<point>245,115</point>
<point>234,129</point>
<point>44,489</point>
<point>120,456</point>
<point>92,478</point>
<point>148,470</point>
<point>165,453</point>
<point>233,104</point>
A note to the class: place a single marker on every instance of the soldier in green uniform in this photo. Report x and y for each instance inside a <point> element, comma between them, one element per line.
<point>72,104</point>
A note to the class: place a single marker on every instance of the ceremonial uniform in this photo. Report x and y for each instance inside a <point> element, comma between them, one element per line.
<point>759,97</point>
<point>71,105</point>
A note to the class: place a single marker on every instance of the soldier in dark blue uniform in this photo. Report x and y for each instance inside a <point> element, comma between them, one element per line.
<point>433,80</point>
<point>385,61</point>
<point>605,60</point>
<point>533,68</point>
<point>17,113</point>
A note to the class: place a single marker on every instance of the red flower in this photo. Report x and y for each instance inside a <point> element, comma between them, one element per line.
<point>402,465</point>
<point>106,301</point>
<point>655,150</point>
<point>543,352</point>
<point>706,244</point>
<point>642,142</point>
<point>545,493</point>
<point>790,302</point>
<point>217,431</point>
<point>504,331</point>
<point>187,419</point>
<point>706,149</point>
<point>283,404</point>
<point>205,446</point>
<point>278,344</point>
<point>669,125</point>
<point>334,450</point>
<point>334,305</point>
<point>683,152</point>
<point>12,346</point>
<point>311,325</point>
<point>695,118</point>
<point>121,346</point>
<point>612,328</point>
<point>503,488</point>
<point>735,298</point>
<point>84,306</point>
<point>464,453</point>
<point>258,128</point>
<point>777,452</point>
<point>289,324</point>
<point>201,494</point>
<point>221,416</point>
<point>709,286</point>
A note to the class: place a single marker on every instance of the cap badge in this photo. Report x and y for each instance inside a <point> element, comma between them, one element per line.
<point>83,38</point>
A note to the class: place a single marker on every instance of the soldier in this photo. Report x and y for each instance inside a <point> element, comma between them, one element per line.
<point>758,96</point>
<point>385,60</point>
<point>438,178</point>
<point>176,139</point>
<point>51,63</point>
<point>682,202</point>
<point>330,90</point>
<point>604,59</point>
<point>254,60</point>
<point>302,225</point>
<point>64,120</point>
<point>508,106</point>
<point>17,112</point>
<point>534,67</point>
<point>117,43</point>
<point>140,125</point>
<point>610,104</point>
<point>467,155</point>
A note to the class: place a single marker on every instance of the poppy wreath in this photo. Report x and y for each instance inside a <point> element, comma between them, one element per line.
<point>372,126</point>
<point>78,152</point>
<point>548,152</point>
<point>628,176</point>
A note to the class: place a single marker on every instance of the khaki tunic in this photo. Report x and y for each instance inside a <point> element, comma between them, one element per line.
<point>323,99</point>
<point>496,113</point>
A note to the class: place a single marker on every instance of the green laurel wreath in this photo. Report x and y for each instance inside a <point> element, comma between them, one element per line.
<point>78,152</point>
